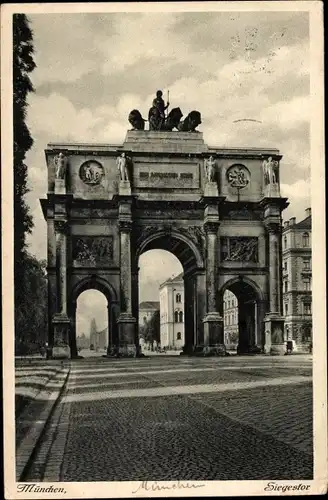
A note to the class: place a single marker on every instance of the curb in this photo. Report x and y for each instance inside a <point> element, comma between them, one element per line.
<point>32,392</point>
<point>29,444</point>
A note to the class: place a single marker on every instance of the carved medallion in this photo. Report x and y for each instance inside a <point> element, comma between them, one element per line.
<point>91,172</point>
<point>239,249</point>
<point>92,250</point>
<point>238,176</point>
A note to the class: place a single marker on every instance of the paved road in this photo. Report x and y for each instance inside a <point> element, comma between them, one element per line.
<point>238,418</point>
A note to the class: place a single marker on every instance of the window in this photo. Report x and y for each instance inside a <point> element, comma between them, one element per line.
<point>178,297</point>
<point>145,319</point>
<point>285,242</point>
<point>286,286</point>
<point>176,317</point>
<point>286,309</point>
<point>285,266</point>
<point>307,308</point>
<point>306,264</point>
<point>180,317</point>
<point>306,239</point>
<point>307,284</point>
<point>229,304</point>
<point>179,336</point>
<point>232,303</point>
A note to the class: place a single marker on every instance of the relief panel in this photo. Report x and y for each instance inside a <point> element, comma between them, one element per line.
<point>92,251</point>
<point>240,249</point>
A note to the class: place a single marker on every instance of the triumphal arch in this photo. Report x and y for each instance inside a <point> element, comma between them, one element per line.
<point>217,210</point>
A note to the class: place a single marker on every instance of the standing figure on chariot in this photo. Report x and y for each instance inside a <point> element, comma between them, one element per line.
<point>158,103</point>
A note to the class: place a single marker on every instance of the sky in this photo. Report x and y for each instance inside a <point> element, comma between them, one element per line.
<point>93,69</point>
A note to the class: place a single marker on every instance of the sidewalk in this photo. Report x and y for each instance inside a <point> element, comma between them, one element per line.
<point>37,391</point>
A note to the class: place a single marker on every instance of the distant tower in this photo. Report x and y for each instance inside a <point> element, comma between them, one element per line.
<point>93,333</point>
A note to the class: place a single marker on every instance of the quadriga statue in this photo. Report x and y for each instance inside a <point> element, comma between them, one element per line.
<point>136,120</point>
<point>190,123</point>
<point>159,121</point>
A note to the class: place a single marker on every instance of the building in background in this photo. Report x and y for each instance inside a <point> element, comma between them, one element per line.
<point>146,311</point>
<point>99,340</point>
<point>297,281</point>
<point>82,341</point>
<point>148,326</point>
<point>171,298</point>
<point>230,316</point>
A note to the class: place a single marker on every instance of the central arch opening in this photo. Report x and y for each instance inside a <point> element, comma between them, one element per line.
<point>161,306</point>
<point>168,317</point>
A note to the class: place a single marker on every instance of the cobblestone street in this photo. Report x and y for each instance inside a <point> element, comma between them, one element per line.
<point>234,418</point>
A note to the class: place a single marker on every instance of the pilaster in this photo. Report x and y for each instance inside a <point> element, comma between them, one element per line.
<point>60,320</point>
<point>213,321</point>
<point>274,321</point>
<point>126,321</point>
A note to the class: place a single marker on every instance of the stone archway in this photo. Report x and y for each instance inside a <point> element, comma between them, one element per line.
<point>189,254</point>
<point>93,282</point>
<point>211,207</point>
<point>250,299</point>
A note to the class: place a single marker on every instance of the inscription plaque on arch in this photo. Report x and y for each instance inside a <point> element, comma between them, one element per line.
<point>166,175</point>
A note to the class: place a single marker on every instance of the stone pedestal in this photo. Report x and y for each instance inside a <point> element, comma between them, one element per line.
<point>61,326</point>
<point>272,191</point>
<point>211,190</point>
<point>274,335</point>
<point>124,188</point>
<point>60,186</point>
<point>213,334</point>
<point>127,327</point>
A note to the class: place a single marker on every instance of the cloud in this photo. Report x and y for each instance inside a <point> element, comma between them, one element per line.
<point>59,117</point>
<point>299,196</point>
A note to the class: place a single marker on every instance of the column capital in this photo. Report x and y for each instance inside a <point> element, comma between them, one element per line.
<point>273,227</point>
<point>211,227</point>
<point>125,225</point>
<point>61,226</point>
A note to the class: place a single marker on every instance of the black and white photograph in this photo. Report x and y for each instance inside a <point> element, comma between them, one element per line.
<point>163,249</point>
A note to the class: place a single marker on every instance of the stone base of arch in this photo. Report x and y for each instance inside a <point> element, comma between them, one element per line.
<point>127,338</point>
<point>274,335</point>
<point>213,334</point>
<point>61,327</point>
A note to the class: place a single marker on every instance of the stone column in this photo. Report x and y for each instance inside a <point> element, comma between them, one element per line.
<point>200,305</point>
<point>274,322</point>
<point>199,284</point>
<point>126,321</point>
<point>73,343</point>
<point>188,315</point>
<point>113,348</point>
<point>213,321</point>
<point>60,320</point>
<point>109,332</point>
<point>135,303</point>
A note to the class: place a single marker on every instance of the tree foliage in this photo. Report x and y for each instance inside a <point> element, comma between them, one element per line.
<point>29,273</point>
<point>31,315</point>
<point>23,64</point>
<point>150,331</point>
